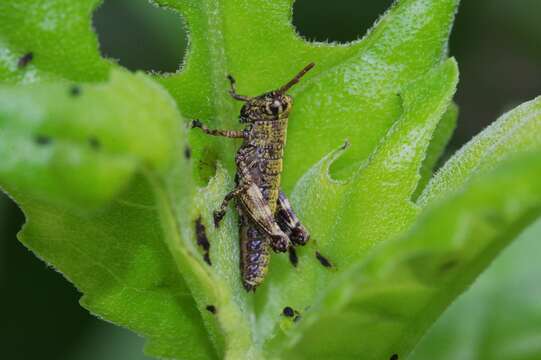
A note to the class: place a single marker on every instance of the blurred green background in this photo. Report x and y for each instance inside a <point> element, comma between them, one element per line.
<point>498,47</point>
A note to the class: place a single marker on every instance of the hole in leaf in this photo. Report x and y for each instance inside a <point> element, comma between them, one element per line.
<point>338,20</point>
<point>141,36</point>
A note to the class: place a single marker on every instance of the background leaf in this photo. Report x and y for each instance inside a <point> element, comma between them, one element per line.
<point>115,254</point>
<point>515,132</point>
<point>57,143</point>
<point>384,305</point>
<point>498,318</point>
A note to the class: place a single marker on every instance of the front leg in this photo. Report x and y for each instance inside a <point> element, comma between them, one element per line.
<point>234,134</point>
<point>289,222</point>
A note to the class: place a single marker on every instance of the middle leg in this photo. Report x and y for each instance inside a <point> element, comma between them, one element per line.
<point>220,213</point>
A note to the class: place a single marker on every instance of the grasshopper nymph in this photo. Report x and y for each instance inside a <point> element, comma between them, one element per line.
<point>265,215</point>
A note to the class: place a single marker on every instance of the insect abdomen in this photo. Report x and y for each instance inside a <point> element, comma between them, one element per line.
<point>254,253</point>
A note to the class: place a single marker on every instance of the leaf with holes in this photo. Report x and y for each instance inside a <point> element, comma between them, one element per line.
<point>120,198</point>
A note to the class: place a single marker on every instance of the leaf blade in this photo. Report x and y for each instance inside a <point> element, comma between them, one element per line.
<point>382,294</point>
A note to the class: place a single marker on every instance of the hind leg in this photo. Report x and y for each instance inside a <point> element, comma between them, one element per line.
<point>289,222</point>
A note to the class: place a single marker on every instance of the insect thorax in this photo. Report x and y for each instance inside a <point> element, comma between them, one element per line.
<point>265,148</point>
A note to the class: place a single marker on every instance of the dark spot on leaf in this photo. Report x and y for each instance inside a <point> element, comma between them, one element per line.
<point>206,257</point>
<point>211,309</point>
<point>288,311</point>
<point>75,90</point>
<point>202,239</point>
<point>94,143</point>
<point>207,165</point>
<point>394,357</point>
<point>25,60</point>
<point>42,140</point>
<point>293,259</point>
<point>448,265</point>
<point>323,260</point>
<point>494,218</point>
<point>187,152</point>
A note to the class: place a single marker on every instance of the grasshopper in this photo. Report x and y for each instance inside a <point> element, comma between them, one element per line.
<point>266,219</point>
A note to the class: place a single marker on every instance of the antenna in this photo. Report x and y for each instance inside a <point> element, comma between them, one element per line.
<point>296,79</point>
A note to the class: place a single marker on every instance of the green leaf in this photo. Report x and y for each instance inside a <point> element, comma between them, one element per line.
<point>57,145</point>
<point>118,260</point>
<point>439,142</point>
<point>498,318</point>
<point>352,92</point>
<point>59,36</point>
<point>124,220</point>
<point>83,148</point>
<point>385,304</point>
<point>515,132</point>
<point>348,218</point>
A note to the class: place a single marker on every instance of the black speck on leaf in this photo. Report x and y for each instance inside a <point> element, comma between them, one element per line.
<point>42,140</point>
<point>323,260</point>
<point>394,357</point>
<point>202,239</point>
<point>211,309</point>
<point>75,90</point>
<point>187,152</point>
<point>25,60</point>
<point>94,143</point>
<point>288,311</point>
<point>293,259</point>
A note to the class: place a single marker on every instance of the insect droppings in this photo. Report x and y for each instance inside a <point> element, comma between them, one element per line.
<point>266,218</point>
<point>187,152</point>
<point>25,60</point>
<point>288,311</point>
<point>43,140</point>
<point>394,357</point>
<point>75,90</point>
<point>293,258</point>
<point>211,309</point>
<point>323,260</point>
<point>202,239</point>
<point>94,143</point>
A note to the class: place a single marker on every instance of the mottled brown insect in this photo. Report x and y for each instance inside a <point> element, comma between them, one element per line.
<point>265,215</point>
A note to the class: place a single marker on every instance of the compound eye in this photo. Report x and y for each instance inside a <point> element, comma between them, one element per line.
<point>276,107</point>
